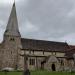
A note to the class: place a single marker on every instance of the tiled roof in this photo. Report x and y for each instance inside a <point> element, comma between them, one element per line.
<point>69,53</point>
<point>72,47</point>
<point>44,45</point>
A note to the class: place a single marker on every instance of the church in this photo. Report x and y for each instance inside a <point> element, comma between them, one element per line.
<point>40,54</point>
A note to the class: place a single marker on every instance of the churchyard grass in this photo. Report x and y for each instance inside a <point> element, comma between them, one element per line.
<point>38,73</point>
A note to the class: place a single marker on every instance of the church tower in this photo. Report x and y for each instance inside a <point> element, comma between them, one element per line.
<point>12,42</point>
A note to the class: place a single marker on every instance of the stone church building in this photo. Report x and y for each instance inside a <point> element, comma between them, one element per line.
<point>40,54</point>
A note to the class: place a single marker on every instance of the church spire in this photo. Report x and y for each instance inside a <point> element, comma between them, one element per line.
<point>12,26</point>
<point>14,3</point>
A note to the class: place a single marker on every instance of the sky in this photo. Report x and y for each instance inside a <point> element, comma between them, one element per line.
<point>52,20</point>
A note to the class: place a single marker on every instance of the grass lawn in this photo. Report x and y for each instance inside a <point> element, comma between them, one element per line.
<point>38,73</point>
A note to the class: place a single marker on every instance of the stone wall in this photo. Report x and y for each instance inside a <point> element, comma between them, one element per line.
<point>11,51</point>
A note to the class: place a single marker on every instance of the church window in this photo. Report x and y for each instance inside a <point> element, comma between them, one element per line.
<point>11,39</point>
<point>32,61</point>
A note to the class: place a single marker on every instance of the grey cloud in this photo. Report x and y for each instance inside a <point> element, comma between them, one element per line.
<point>50,17</point>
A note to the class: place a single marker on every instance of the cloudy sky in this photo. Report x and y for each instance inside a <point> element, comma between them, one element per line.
<point>52,20</point>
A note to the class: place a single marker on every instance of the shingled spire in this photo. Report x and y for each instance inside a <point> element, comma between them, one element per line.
<point>12,26</point>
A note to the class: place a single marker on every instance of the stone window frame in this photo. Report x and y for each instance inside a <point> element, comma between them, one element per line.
<point>32,61</point>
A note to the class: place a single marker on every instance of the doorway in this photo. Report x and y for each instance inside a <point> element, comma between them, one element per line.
<point>42,65</point>
<point>53,67</point>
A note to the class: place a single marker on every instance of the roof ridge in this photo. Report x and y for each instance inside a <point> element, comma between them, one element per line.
<point>42,40</point>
